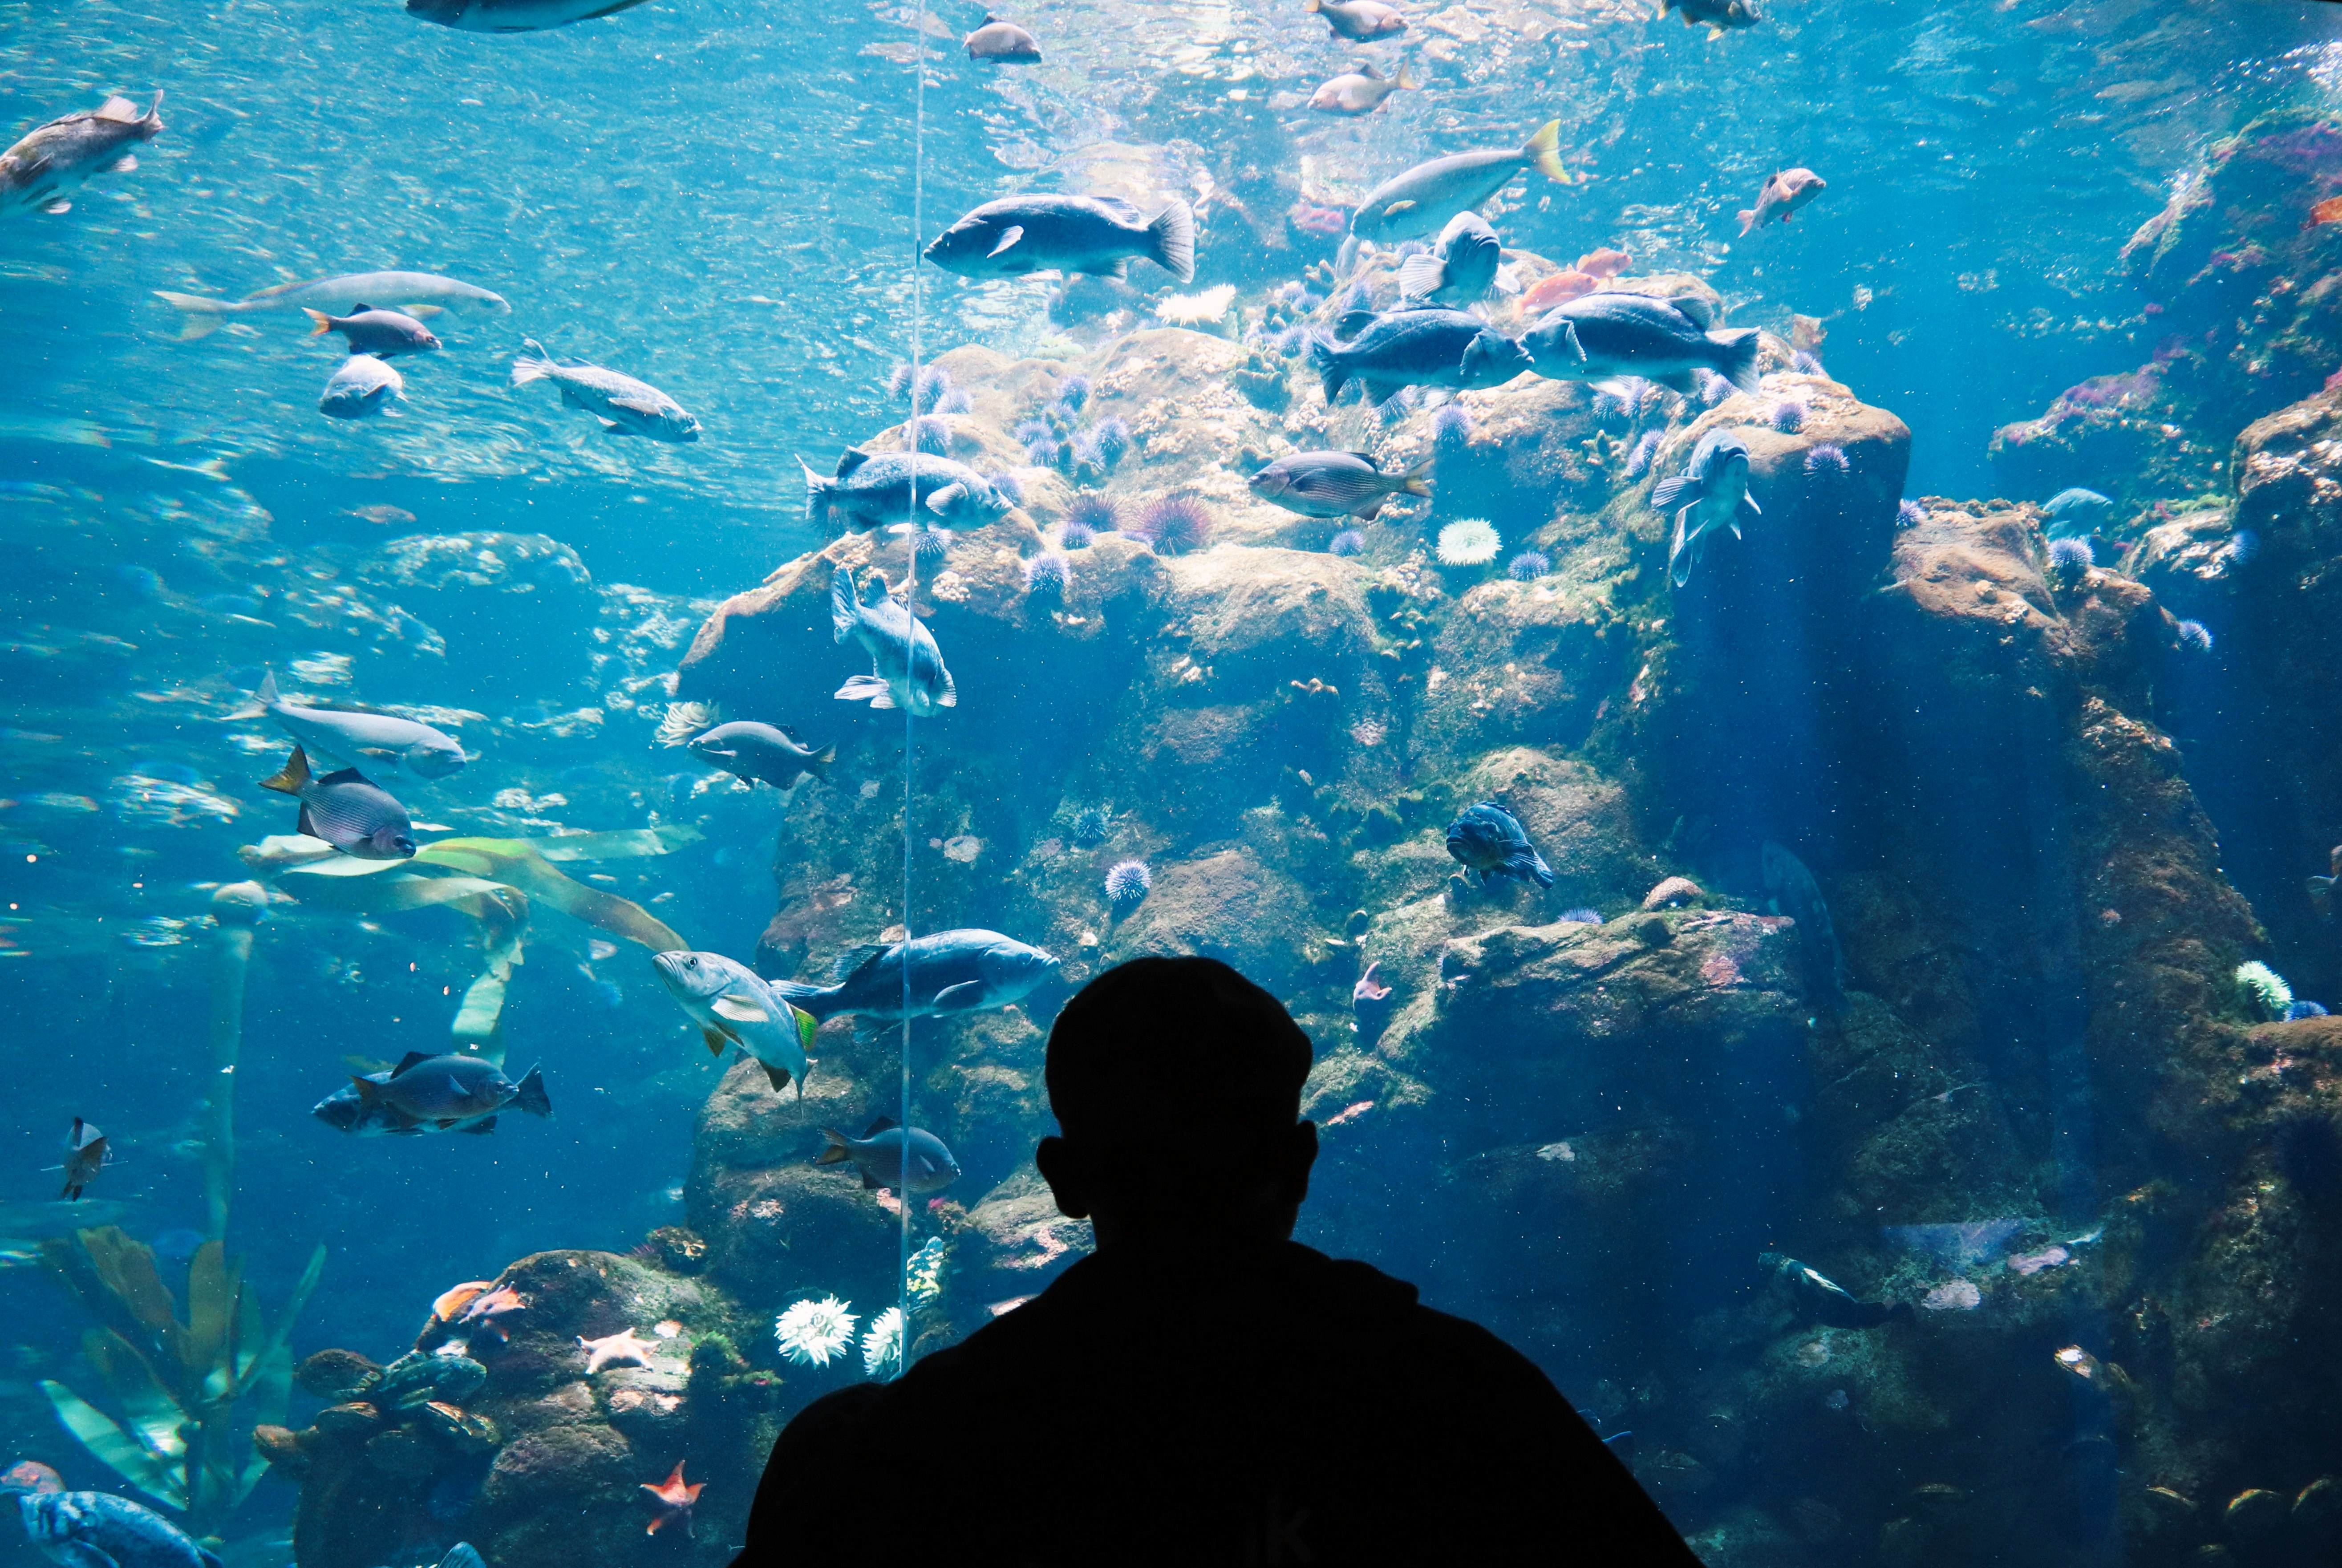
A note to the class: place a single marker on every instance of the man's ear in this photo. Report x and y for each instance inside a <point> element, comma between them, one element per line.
<point>1062,1169</point>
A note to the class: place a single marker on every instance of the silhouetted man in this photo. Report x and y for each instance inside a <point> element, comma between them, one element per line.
<point>1201,1390</point>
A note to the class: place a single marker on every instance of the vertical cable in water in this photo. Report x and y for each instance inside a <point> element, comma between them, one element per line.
<point>910,542</point>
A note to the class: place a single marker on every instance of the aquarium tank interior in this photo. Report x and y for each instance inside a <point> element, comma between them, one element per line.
<point>607,606</point>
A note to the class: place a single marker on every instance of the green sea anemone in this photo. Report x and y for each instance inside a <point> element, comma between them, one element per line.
<point>1468,542</point>
<point>2266,987</point>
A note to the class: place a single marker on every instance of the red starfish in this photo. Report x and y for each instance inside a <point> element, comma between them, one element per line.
<point>674,1501</point>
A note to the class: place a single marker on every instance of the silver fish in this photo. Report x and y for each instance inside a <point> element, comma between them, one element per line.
<point>906,667</point>
<point>421,294</point>
<point>624,405</point>
<point>348,738</point>
<point>1003,41</point>
<point>512,16</point>
<point>1100,236</point>
<point>879,489</point>
<point>1335,483</point>
<point>1711,492</point>
<point>1359,21</point>
<point>1783,192</point>
<point>1459,270</point>
<point>364,385</point>
<point>380,333</point>
<point>732,1004</point>
<point>1421,200</point>
<point>1359,92</point>
<point>53,159</point>
<point>348,810</point>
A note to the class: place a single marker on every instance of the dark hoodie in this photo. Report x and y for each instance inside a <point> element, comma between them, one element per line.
<point>1266,1406</point>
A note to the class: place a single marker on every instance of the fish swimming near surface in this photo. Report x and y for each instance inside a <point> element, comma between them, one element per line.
<point>1719,15</point>
<point>1711,492</point>
<point>50,161</point>
<point>1359,21</point>
<point>1459,270</point>
<point>1004,42</point>
<point>767,752</point>
<point>380,333</point>
<point>892,1157</point>
<point>1610,335</point>
<point>513,15</point>
<point>1359,92</point>
<point>419,295</point>
<point>1818,1298</point>
<point>2075,513</point>
<point>1784,194</point>
<point>1336,484</point>
<point>734,1005</point>
<point>1100,236</point>
<point>1427,346</point>
<point>364,385</point>
<point>1792,891</point>
<point>1422,200</point>
<point>626,406</point>
<point>348,810</point>
<point>449,1090</point>
<point>943,974</point>
<point>99,1530</point>
<point>1490,840</point>
<point>906,667</point>
<point>349,738</point>
<point>85,1154</point>
<point>879,489</point>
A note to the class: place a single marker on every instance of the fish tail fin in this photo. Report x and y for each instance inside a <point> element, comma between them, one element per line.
<point>322,321</point>
<point>1739,366</point>
<point>531,1096</point>
<point>1414,483</point>
<point>260,701</point>
<point>1328,362</point>
<point>835,1151</point>
<point>1747,222</point>
<point>816,488</point>
<point>202,315</point>
<point>819,764</point>
<point>293,777</point>
<point>534,366</point>
<point>1172,238</point>
<point>1678,552</point>
<point>1544,149</point>
<point>1404,79</point>
<point>844,603</point>
<point>805,999</point>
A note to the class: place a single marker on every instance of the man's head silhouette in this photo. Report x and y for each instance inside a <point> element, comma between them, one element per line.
<point>1177,1086</point>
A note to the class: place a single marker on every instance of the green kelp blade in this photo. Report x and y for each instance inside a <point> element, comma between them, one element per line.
<point>156,1417</point>
<point>115,1449</point>
<point>270,1389</point>
<point>274,1344</point>
<point>212,1290</point>
<point>625,843</point>
<point>478,1028</point>
<point>516,861</point>
<point>125,1266</point>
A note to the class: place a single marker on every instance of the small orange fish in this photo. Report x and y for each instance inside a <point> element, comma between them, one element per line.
<point>1604,262</point>
<point>674,1501</point>
<point>1558,289</point>
<point>2325,212</point>
<point>447,1304</point>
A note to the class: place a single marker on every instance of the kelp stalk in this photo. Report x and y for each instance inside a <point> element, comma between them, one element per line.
<point>237,907</point>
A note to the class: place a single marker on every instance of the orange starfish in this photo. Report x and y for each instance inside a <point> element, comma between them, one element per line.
<point>674,1501</point>
<point>621,1347</point>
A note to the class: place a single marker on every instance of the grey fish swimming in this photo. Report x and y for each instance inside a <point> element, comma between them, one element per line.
<point>1428,347</point>
<point>419,294</point>
<point>888,1154</point>
<point>1818,1298</point>
<point>767,751</point>
<point>380,333</point>
<point>906,667</point>
<point>1783,192</point>
<point>1359,92</point>
<point>52,160</point>
<point>734,1005</point>
<point>1003,41</point>
<point>363,386</point>
<point>1359,21</point>
<point>1489,840</point>
<point>1711,492</point>
<point>348,810</point>
<point>1718,15</point>
<point>1335,483</point>
<point>85,1154</point>
<point>348,738</point>
<point>2075,513</point>
<point>1606,335</point>
<point>352,1112</point>
<point>878,490</point>
<point>626,406</point>
<point>99,1530</point>
<point>1460,269</point>
<point>1100,236</point>
<point>448,1090</point>
<point>1422,200</point>
<point>512,16</point>
<point>949,971</point>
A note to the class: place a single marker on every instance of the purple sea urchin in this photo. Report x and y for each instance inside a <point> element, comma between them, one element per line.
<point>1826,462</point>
<point>1788,417</point>
<point>1582,917</point>
<point>1646,451</point>
<point>1528,566</point>
<point>1113,438</point>
<point>1713,388</point>
<point>2296,1011</point>
<point>1910,513</point>
<point>1349,542</point>
<point>2070,561</point>
<point>1091,825</point>
<point>934,386</point>
<point>931,546</point>
<point>1128,882</point>
<point>1074,392</point>
<point>1042,452</point>
<point>1031,430</point>
<point>1174,525</point>
<point>1046,576</point>
<point>1093,513</point>
<point>1451,426</point>
<point>932,436</point>
<point>2195,636</point>
<point>1805,363</point>
<point>1075,537</point>
<point>1011,488</point>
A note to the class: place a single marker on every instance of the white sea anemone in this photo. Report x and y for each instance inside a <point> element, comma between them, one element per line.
<point>881,1344</point>
<point>1468,542</point>
<point>815,1333</point>
<point>2268,987</point>
<point>1195,309</point>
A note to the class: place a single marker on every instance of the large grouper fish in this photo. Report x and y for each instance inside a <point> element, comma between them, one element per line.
<point>50,161</point>
<point>1100,236</point>
<point>877,489</point>
<point>906,668</point>
<point>1612,334</point>
<point>1426,345</point>
<point>942,973</point>
<point>1422,200</point>
<point>421,294</point>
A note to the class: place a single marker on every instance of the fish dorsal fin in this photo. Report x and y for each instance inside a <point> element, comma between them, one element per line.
<point>856,959</point>
<point>408,1061</point>
<point>1354,322</point>
<point>1121,208</point>
<point>854,458</point>
<point>120,109</point>
<point>1695,309</point>
<point>881,1124</point>
<point>1369,73</point>
<point>1368,459</point>
<point>360,309</point>
<point>290,778</point>
<point>343,776</point>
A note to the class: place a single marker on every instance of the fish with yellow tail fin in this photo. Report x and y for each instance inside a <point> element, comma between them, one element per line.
<point>733,1005</point>
<point>418,295</point>
<point>348,810</point>
<point>1719,15</point>
<point>54,159</point>
<point>1422,200</point>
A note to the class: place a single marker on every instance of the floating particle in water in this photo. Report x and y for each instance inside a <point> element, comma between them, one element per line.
<point>1826,461</point>
<point>1074,392</point>
<point>1046,576</point>
<point>931,547</point>
<point>1468,542</point>
<point>815,1333</point>
<point>1174,525</point>
<point>1910,513</point>
<point>1451,426</point>
<point>1646,451</point>
<point>1091,825</point>
<point>932,436</point>
<point>1788,417</point>
<point>1528,566</point>
<point>2296,1011</point>
<point>2195,636</point>
<point>1805,363</point>
<point>2266,988</point>
<point>1113,438</point>
<point>1349,542</point>
<point>1128,882</point>
<point>881,1344</point>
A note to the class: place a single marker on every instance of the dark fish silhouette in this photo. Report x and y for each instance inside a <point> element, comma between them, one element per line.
<point>1489,839</point>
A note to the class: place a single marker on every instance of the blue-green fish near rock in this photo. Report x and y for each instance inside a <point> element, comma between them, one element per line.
<point>1429,347</point>
<point>1100,236</point>
<point>734,1005</point>
<point>353,737</point>
<point>99,1530</point>
<point>1711,492</point>
<point>1459,270</point>
<point>2075,513</point>
<point>1422,200</point>
<point>902,1160</point>
<point>906,667</point>
<point>949,971</point>
<point>880,489</point>
<point>1490,840</point>
<point>1603,337</point>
